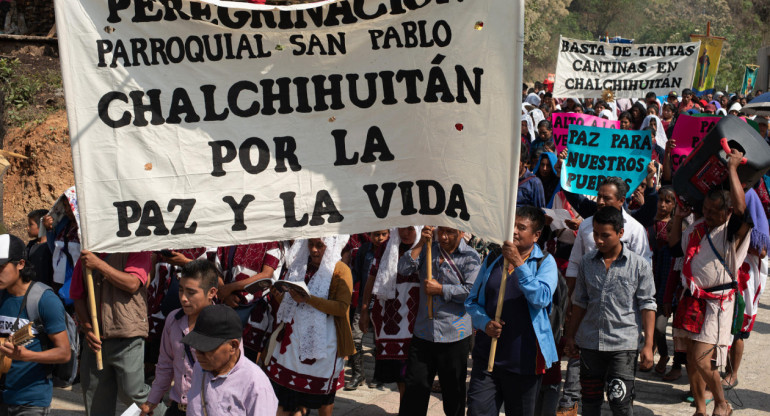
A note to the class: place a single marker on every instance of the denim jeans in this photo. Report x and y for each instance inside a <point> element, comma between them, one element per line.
<point>547,400</point>
<point>6,410</point>
<point>571,390</point>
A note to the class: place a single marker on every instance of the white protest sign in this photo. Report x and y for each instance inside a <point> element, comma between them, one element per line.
<point>584,69</point>
<point>194,125</point>
<point>133,410</point>
<point>559,217</point>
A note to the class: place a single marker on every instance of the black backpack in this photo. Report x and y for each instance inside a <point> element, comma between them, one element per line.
<point>558,305</point>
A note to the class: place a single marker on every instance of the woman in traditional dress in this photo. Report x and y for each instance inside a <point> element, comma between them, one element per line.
<point>659,138</point>
<point>527,129</point>
<point>545,170</point>
<point>393,300</point>
<point>714,249</point>
<point>242,265</point>
<point>537,116</point>
<point>605,114</point>
<point>305,361</point>
<point>546,110</point>
<point>544,138</point>
<point>751,283</point>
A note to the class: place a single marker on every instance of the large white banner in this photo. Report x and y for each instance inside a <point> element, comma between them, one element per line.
<point>196,125</point>
<point>584,69</point>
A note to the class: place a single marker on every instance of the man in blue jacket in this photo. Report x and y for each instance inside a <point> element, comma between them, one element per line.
<point>525,347</point>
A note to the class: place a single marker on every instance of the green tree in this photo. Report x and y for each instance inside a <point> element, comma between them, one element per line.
<point>540,38</point>
<point>744,23</point>
<point>600,17</point>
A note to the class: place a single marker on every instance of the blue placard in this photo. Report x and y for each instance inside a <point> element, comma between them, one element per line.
<point>596,153</point>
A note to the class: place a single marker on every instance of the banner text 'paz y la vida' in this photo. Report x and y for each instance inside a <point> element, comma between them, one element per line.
<point>196,125</point>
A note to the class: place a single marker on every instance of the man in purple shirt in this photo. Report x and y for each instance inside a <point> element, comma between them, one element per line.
<point>224,381</point>
<point>197,289</point>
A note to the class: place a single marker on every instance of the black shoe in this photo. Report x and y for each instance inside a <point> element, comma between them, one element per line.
<point>380,386</point>
<point>372,384</point>
<point>354,382</point>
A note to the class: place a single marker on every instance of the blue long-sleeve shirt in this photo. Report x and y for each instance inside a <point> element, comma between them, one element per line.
<point>537,286</point>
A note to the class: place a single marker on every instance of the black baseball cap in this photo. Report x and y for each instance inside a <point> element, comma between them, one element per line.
<point>216,325</point>
<point>11,249</point>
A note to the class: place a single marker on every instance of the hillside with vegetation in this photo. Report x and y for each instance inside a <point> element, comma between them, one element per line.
<point>744,23</point>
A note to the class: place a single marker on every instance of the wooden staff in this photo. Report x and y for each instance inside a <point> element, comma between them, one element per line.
<point>429,265</point>
<point>12,154</point>
<point>498,314</point>
<point>92,310</point>
<point>517,76</point>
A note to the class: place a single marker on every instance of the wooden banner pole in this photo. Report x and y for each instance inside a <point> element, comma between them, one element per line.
<point>92,310</point>
<point>498,315</point>
<point>429,266</point>
<point>516,81</point>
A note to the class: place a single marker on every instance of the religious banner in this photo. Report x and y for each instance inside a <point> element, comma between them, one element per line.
<point>596,153</point>
<point>195,124</point>
<point>562,121</point>
<point>708,62</point>
<point>749,78</point>
<point>584,69</point>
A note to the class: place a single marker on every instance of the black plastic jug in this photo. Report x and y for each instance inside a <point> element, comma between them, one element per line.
<point>706,167</point>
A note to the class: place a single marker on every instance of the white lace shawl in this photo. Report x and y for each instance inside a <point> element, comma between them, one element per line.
<point>530,126</point>
<point>609,113</point>
<point>309,322</point>
<point>537,117</point>
<point>660,132</point>
<point>533,99</point>
<point>387,274</point>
